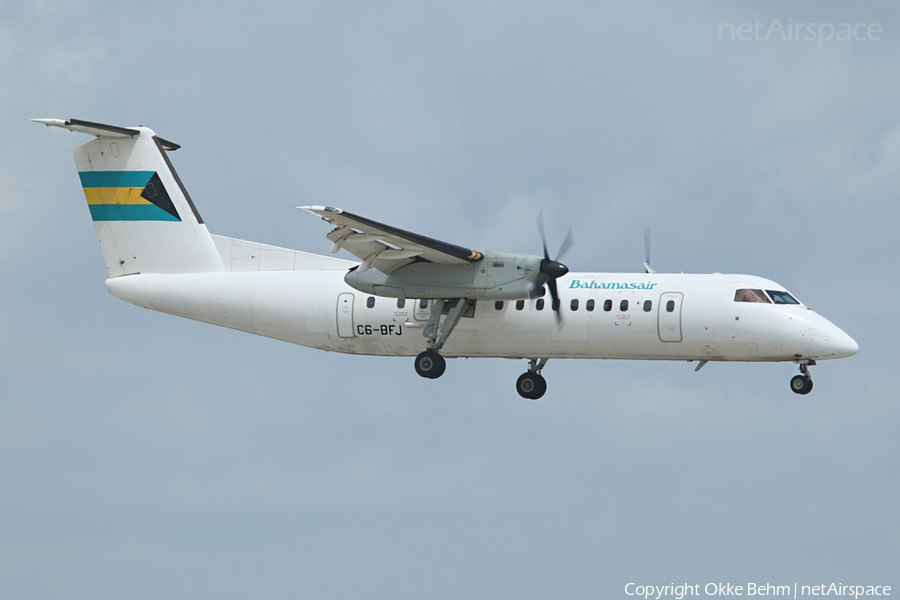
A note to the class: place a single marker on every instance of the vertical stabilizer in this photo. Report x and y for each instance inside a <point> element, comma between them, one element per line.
<point>145,219</point>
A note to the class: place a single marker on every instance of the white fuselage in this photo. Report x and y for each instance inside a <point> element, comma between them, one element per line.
<point>687,317</point>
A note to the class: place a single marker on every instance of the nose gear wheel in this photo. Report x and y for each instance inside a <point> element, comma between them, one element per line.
<point>802,383</point>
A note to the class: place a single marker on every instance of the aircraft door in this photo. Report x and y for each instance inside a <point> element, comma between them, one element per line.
<point>345,315</point>
<point>670,316</point>
<point>423,310</point>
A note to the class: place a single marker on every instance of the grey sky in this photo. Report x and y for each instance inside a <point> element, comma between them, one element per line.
<point>147,456</point>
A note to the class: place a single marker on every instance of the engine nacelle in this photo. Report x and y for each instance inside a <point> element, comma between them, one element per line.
<point>498,276</point>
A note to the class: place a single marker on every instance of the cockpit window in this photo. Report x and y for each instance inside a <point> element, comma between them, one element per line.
<point>751,296</point>
<point>781,297</point>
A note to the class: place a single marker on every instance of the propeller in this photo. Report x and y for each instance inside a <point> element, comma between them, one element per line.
<point>551,270</point>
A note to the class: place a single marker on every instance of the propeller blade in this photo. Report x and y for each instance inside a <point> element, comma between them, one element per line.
<point>647,266</point>
<point>567,244</point>
<point>540,224</point>
<point>540,282</point>
<point>647,244</point>
<point>554,294</point>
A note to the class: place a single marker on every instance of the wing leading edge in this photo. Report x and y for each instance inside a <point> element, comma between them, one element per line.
<point>385,247</point>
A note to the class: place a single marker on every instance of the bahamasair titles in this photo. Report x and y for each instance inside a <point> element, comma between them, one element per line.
<point>411,295</point>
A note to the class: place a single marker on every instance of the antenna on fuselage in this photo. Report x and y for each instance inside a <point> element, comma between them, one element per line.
<point>647,266</point>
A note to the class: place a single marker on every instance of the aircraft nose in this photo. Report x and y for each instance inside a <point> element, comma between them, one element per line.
<point>843,345</point>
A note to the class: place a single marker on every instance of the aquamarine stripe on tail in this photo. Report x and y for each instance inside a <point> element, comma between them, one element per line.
<point>129,212</point>
<point>115,179</point>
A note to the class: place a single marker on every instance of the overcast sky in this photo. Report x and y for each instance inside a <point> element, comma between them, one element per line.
<point>147,456</point>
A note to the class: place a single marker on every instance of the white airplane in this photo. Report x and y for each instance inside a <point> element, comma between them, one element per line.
<point>412,295</point>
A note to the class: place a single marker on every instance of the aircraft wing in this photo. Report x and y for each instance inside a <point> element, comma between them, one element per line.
<point>385,247</point>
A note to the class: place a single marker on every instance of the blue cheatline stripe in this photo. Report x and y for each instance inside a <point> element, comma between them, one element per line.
<point>115,179</point>
<point>129,212</point>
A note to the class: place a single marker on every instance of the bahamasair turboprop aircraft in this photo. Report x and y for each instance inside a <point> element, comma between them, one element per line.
<point>411,295</point>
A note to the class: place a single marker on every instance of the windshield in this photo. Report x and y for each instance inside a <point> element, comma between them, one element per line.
<point>751,296</point>
<point>781,297</point>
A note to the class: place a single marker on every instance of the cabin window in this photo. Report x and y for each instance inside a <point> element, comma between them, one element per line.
<point>370,302</point>
<point>648,305</point>
<point>520,304</point>
<point>539,305</point>
<point>555,304</point>
<point>607,305</point>
<point>590,305</point>
<point>401,302</point>
<point>423,303</point>
<point>752,296</point>
<point>670,306</point>
<point>623,306</point>
<point>498,305</point>
<point>781,297</point>
<point>573,305</point>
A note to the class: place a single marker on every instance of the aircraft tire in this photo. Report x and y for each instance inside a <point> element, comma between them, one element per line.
<point>531,386</point>
<point>801,384</point>
<point>430,364</point>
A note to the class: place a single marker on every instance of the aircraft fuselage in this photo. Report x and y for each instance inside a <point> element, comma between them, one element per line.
<point>632,316</point>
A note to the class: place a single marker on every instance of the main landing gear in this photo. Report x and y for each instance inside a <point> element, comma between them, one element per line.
<point>802,383</point>
<point>430,364</point>
<point>531,385</point>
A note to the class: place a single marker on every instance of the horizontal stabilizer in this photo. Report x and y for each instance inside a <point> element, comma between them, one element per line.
<point>102,130</point>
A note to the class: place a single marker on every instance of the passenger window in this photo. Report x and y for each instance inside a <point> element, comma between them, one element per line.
<point>781,297</point>
<point>590,305</point>
<point>539,305</point>
<point>607,305</point>
<point>648,305</point>
<point>555,305</point>
<point>751,296</point>
<point>573,305</point>
<point>520,304</point>
<point>498,305</point>
<point>370,301</point>
<point>401,302</point>
<point>423,303</point>
<point>623,306</point>
<point>670,306</point>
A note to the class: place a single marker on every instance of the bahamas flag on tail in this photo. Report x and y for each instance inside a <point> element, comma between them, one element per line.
<point>127,196</point>
<point>144,217</point>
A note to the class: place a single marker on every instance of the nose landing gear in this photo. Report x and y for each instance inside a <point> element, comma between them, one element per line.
<point>802,383</point>
<point>531,385</point>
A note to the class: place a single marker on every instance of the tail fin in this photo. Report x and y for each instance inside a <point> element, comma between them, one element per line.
<point>144,217</point>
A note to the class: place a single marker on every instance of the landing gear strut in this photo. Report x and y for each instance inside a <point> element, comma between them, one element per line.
<point>430,364</point>
<point>802,383</point>
<point>531,384</point>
